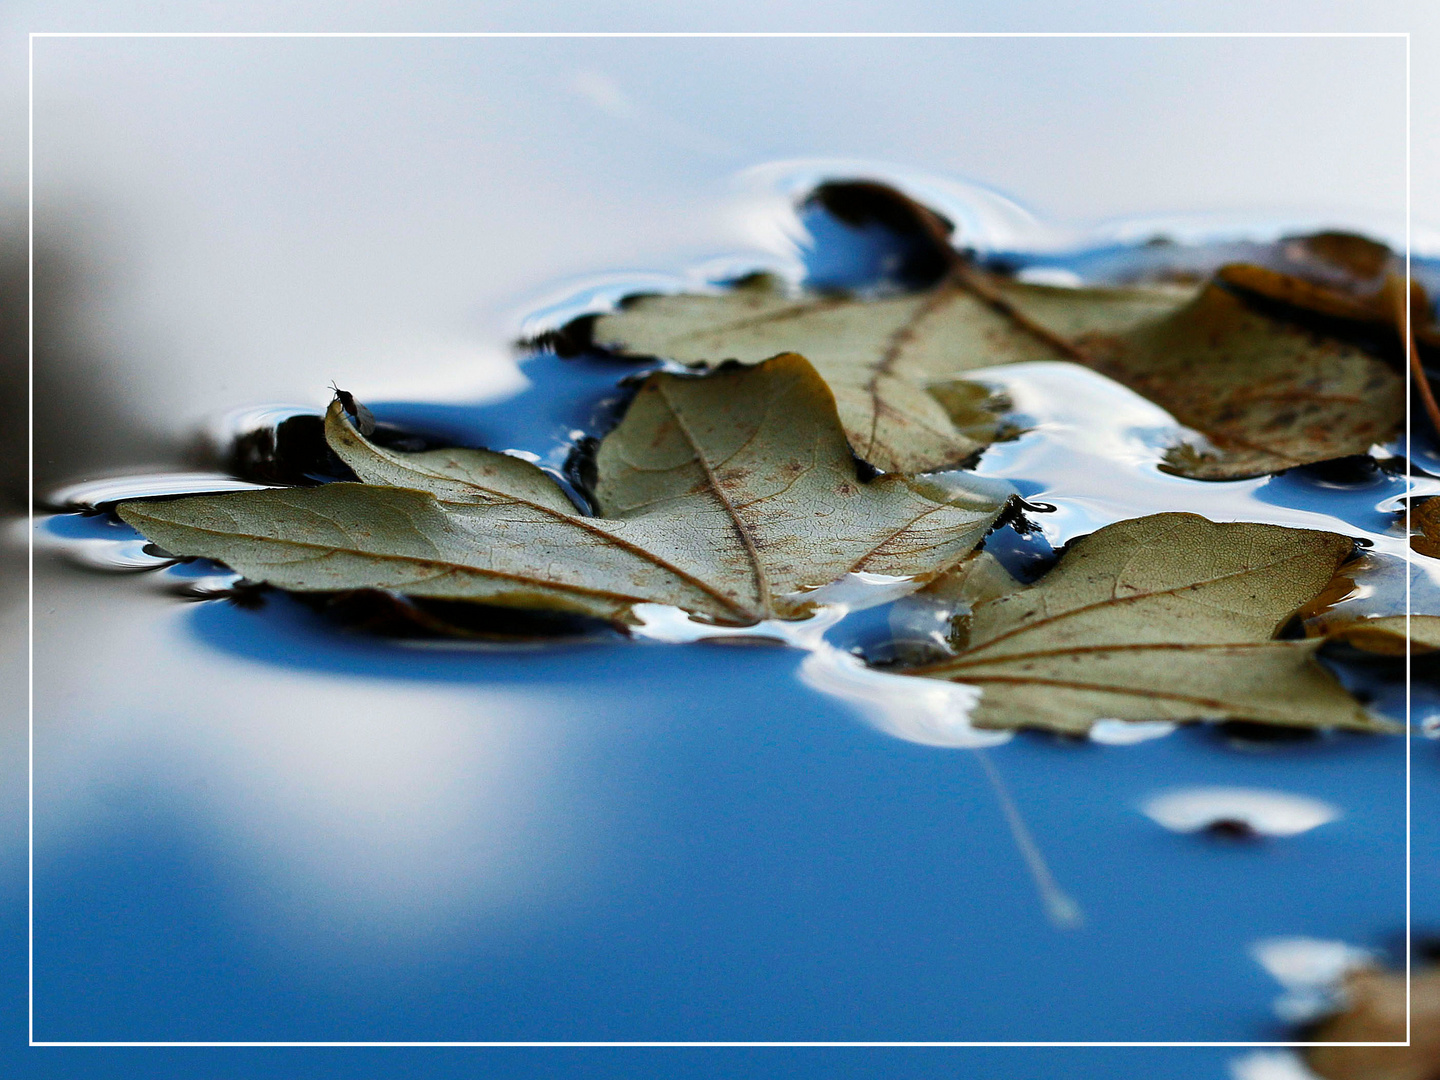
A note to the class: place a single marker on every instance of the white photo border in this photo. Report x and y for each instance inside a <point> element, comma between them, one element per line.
<point>30,565</point>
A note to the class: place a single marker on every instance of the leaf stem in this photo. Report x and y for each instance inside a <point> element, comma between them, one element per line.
<point>1403,310</point>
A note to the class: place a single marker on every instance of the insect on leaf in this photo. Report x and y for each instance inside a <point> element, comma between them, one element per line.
<point>729,496</point>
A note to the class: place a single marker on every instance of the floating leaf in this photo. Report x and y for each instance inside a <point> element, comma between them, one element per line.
<point>1425,518</point>
<point>1167,617</point>
<point>1386,634</point>
<point>892,362</point>
<point>1375,1012</point>
<point>1267,393</point>
<point>729,496</point>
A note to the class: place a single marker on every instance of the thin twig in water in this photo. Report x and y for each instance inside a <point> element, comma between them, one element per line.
<point>1064,913</point>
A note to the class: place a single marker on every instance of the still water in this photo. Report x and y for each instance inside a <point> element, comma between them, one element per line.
<point>253,823</point>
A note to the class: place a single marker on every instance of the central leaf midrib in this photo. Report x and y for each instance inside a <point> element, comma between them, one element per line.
<point>1116,600</point>
<point>962,661</point>
<point>762,584</point>
<point>1122,691</point>
<point>942,294</point>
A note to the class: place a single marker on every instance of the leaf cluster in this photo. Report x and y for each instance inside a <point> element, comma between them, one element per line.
<point>817,438</point>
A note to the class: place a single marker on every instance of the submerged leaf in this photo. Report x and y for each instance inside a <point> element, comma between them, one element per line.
<point>1167,617</point>
<point>1267,393</point>
<point>729,496</point>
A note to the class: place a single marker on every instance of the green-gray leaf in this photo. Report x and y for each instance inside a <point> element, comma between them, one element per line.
<point>1166,617</point>
<point>892,363</point>
<point>730,496</point>
<point>1268,394</point>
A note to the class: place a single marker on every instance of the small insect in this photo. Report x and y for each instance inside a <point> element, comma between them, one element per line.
<point>363,417</point>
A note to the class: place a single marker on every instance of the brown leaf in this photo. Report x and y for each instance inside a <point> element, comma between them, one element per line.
<point>1385,635</point>
<point>730,497</point>
<point>1266,392</point>
<point>1376,1013</point>
<point>1425,519</point>
<point>1166,617</point>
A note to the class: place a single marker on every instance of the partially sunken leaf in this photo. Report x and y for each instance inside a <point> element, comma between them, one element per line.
<point>1266,393</point>
<point>1386,635</point>
<point>1167,617</point>
<point>729,496</point>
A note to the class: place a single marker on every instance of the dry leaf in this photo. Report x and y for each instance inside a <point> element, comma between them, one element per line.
<point>1425,517</point>
<point>1385,635</point>
<point>1267,393</point>
<point>728,496</point>
<point>882,357</point>
<point>1166,617</point>
<point>1376,1013</point>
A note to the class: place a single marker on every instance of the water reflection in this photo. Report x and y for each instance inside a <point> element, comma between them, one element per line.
<point>360,800</point>
<point>1270,1065</point>
<point>930,712</point>
<point>1258,813</point>
<point>1312,971</point>
<point>1127,732</point>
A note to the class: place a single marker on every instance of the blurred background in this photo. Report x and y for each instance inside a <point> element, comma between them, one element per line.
<point>225,224</point>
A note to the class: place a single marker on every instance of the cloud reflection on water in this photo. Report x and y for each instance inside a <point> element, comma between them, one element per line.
<point>355,798</point>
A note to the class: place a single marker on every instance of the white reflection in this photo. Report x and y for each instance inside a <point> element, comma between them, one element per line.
<point>661,622</point>
<point>932,712</point>
<point>343,799</point>
<point>832,602</point>
<point>1129,732</point>
<point>1312,972</point>
<point>1268,813</point>
<point>1096,447</point>
<point>1056,276</point>
<point>1270,1065</point>
<point>112,489</point>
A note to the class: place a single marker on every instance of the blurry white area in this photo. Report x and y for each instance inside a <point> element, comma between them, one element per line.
<point>345,801</point>
<point>242,220</point>
<point>931,712</point>
<point>1270,1065</point>
<point>1311,971</point>
<point>1268,813</point>
<point>604,93</point>
<point>1056,276</point>
<point>1129,732</point>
